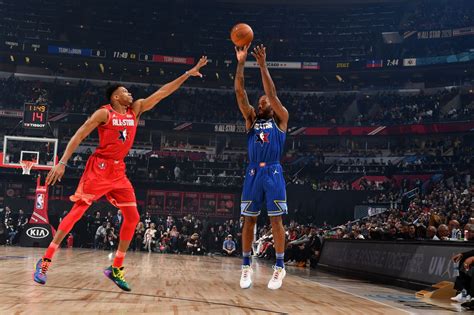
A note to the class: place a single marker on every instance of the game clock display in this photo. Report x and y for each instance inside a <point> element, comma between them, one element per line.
<point>35,116</point>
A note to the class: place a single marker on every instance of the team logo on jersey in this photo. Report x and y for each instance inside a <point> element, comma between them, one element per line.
<point>262,137</point>
<point>123,135</point>
<point>123,122</point>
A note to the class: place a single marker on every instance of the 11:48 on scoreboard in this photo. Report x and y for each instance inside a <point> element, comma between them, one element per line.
<point>35,116</point>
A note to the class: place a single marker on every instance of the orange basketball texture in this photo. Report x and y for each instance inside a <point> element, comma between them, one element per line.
<point>241,34</point>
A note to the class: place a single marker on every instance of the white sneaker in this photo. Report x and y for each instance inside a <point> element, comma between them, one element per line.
<point>246,277</point>
<point>461,298</point>
<point>277,278</point>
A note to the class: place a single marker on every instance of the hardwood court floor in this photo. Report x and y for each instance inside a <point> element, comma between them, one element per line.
<point>175,284</point>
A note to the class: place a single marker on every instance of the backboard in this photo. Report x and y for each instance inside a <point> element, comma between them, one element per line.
<point>43,151</point>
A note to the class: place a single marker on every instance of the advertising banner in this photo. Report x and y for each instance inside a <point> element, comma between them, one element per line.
<point>389,130</point>
<point>463,31</point>
<point>275,64</point>
<point>363,211</point>
<point>177,203</point>
<point>426,262</point>
<point>173,59</point>
<point>311,66</point>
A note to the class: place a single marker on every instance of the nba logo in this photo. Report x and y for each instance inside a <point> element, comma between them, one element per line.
<point>40,201</point>
<point>252,172</point>
<point>101,165</point>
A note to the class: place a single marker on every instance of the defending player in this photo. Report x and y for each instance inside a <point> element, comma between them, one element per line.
<point>105,169</point>
<point>264,183</point>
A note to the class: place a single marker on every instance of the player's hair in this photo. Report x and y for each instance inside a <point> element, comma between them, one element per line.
<point>111,89</point>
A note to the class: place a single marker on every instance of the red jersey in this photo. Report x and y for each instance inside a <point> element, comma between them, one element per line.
<point>117,134</point>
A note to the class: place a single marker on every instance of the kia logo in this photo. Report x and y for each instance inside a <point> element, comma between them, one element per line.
<point>37,232</point>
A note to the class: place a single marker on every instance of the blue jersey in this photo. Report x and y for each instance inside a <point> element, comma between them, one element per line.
<point>265,141</point>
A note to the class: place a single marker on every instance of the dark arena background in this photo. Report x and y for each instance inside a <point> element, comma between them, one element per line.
<point>378,159</point>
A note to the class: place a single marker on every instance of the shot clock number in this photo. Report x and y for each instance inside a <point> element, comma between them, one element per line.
<point>35,116</point>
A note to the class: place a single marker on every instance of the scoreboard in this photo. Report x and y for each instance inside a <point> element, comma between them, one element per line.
<point>35,116</point>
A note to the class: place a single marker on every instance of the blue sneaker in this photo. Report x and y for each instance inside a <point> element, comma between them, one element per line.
<point>39,276</point>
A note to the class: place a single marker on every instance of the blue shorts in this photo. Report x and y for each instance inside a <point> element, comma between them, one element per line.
<point>264,184</point>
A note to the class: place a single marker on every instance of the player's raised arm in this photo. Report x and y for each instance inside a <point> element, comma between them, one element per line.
<point>247,110</point>
<point>146,104</point>
<point>280,111</point>
<point>56,173</point>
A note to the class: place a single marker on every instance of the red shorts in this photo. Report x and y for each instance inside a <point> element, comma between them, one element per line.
<point>105,177</point>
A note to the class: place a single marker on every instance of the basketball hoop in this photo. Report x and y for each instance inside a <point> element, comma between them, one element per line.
<point>27,166</point>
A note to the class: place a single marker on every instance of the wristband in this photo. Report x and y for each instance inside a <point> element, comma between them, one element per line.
<point>62,163</point>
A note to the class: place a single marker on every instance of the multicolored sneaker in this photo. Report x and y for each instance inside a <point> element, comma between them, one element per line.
<point>39,276</point>
<point>116,275</point>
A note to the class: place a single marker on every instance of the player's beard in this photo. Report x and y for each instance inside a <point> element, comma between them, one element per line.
<point>265,114</point>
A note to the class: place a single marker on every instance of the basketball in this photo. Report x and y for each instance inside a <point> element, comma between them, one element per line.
<point>241,34</point>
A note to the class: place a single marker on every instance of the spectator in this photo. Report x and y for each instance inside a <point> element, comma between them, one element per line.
<point>464,283</point>
<point>150,238</point>
<point>100,235</point>
<point>109,217</point>
<point>431,233</point>
<point>11,231</point>
<point>96,222</point>
<point>111,237</point>
<point>3,234</point>
<point>138,236</point>
<point>7,215</point>
<point>228,247</point>
<point>147,219</point>
<point>164,244</point>
<point>117,220</point>
<point>174,236</point>
<point>454,231</point>
<point>22,220</point>
<point>469,232</point>
<point>411,235</point>
<point>443,232</point>
<point>194,245</point>
<point>297,251</point>
<point>357,234</point>
<point>314,247</point>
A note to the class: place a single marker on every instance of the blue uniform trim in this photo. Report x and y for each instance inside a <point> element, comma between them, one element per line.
<point>244,206</point>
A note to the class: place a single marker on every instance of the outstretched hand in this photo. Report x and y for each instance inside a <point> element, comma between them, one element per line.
<point>241,53</point>
<point>194,72</point>
<point>55,174</point>
<point>259,52</point>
